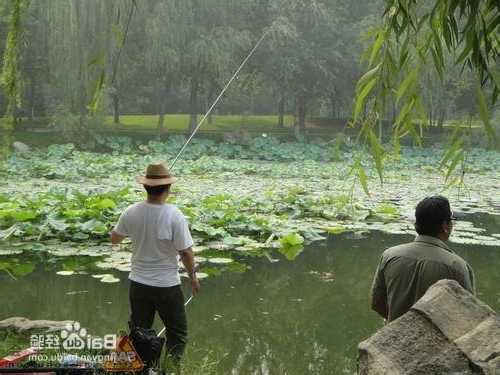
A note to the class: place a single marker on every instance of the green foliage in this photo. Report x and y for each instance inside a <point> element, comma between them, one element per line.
<point>291,239</point>
<point>411,34</point>
<point>73,128</point>
<point>63,202</point>
<point>10,77</point>
<point>11,341</point>
<point>180,123</point>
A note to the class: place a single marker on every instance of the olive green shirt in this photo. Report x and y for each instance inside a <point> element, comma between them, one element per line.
<point>405,272</point>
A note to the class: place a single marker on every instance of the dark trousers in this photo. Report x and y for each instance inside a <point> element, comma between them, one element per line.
<point>145,300</point>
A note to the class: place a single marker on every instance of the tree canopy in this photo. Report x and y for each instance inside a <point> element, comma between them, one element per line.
<point>173,56</point>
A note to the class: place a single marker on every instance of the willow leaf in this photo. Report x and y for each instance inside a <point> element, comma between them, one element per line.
<point>407,82</point>
<point>403,113</point>
<point>377,153</point>
<point>362,178</point>
<point>484,113</point>
<point>454,162</point>
<point>376,46</point>
<point>367,76</point>
<point>455,147</point>
<point>94,104</point>
<point>360,98</point>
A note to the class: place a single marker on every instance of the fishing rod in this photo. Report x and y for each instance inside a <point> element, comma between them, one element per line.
<point>219,97</point>
<point>164,328</point>
<point>207,114</point>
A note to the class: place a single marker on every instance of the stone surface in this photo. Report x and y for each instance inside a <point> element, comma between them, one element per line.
<point>452,310</point>
<point>399,348</point>
<point>21,147</point>
<point>448,331</point>
<point>482,345</point>
<point>20,324</point>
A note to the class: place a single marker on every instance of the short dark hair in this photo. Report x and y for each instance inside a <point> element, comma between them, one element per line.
<point>431,213</point>
<point>157,190</point>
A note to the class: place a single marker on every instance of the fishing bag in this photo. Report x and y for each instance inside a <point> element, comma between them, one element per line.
<point>147,344</point>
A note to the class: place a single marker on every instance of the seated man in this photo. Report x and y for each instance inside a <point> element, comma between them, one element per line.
<point>405,272</point>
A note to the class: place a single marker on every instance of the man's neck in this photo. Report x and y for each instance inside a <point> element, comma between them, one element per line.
<point>443,237</point>
<point>156,200</point>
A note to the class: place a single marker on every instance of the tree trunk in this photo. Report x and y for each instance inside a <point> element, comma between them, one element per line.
<point>333,107</point>
<point>431,117</point>
<point>281,112</point>
<point>193,104</point>
<point>82,99</point>
<point>32,96</point>
<point>209,118</point>
<point>210,100</point>
<point>116,107</point>
<point>394,112</point>
<point>441,119</point>
<point>162,94</point>
<point>301,111</point>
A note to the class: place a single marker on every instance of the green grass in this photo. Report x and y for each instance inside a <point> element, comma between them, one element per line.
<point>180,122</point>
<point>11,341</point>
<point>475,124</point>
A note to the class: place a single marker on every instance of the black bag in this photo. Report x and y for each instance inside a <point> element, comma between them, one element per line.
<point>147,344</point>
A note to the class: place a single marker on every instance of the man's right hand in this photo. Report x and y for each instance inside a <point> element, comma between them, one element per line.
<point>195,284</point>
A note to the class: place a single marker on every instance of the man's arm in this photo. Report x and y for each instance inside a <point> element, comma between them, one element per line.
<point>465,277</point>
<point>187,258</point>
<point>116,238</point>
<point>119,232</point>
<point>379,293</point>
<point>380,306</point>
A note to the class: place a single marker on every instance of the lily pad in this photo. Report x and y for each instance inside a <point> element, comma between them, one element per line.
<point>109,279</point>
<point>65,273</point>
<point>220,260</point>
<point>337,229</point>
<point>101,275</point>
<point>291,239</point>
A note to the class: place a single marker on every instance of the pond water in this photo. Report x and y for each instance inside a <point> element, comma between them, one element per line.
<point>293,317</point>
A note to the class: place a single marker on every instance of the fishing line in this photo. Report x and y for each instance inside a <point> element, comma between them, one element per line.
<point>218,98</point>
<point>207,114</point>
<point>187,303</point>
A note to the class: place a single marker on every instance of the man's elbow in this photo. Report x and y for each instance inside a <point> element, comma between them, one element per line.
<point>186,252</point>
<point>379,308</point>
<point>115,238</point>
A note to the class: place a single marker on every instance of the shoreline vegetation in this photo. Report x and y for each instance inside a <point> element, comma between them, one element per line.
<point>241,198</point>
<point>218,123</point>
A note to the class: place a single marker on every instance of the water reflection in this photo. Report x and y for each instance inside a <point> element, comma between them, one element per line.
<point>305,316</point>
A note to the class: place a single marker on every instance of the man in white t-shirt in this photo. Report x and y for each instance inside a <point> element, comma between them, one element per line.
<point>159,233</point>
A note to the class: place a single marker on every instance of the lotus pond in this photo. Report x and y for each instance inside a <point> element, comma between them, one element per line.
<point>286,239</point>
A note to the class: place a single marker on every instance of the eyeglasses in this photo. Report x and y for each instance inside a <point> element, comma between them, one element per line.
<point>452,217</point>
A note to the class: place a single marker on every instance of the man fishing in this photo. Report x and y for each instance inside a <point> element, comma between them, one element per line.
<point>159,232</point>
<point>405,272</point>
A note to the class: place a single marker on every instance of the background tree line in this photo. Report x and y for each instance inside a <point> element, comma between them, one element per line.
<point>173,56</point>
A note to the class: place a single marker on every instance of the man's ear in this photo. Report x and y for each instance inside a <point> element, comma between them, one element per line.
<point>445,227</point>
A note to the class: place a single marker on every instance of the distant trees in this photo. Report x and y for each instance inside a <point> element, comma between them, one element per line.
<point>178,51</point>
<point>171,56</point>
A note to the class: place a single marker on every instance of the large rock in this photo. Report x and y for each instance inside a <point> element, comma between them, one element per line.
<point>448,331</point>
<point>21,147</point>
<point>20,324</point>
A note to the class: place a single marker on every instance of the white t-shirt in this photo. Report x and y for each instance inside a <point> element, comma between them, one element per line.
<point>158,232</point>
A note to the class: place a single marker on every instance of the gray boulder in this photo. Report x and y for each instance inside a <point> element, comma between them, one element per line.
<point>20,324</point>
<point>21,147</point>
<point>448,331</point>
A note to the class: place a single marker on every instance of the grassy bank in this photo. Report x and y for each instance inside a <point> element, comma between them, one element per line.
<point>180,122</point>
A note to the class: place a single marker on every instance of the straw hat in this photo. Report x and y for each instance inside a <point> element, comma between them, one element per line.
<point>156,174</point>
